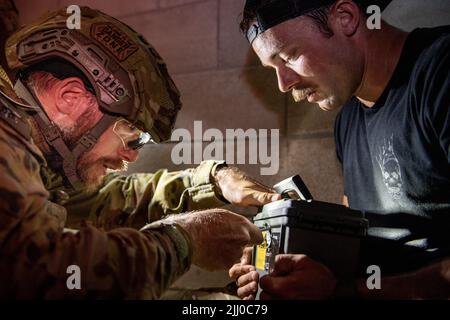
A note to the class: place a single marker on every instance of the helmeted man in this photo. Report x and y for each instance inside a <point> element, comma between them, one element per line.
<point>82,102</point>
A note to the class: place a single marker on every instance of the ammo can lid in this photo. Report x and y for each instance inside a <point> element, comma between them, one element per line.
<point>312,214</point>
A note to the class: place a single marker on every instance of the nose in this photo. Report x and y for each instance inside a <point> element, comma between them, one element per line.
<point>287,78</point>
<point>129,155</point>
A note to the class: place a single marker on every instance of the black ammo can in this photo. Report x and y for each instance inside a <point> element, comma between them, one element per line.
<point>326,232</point>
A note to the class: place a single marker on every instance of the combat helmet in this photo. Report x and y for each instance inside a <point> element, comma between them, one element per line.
<point>127,75</point>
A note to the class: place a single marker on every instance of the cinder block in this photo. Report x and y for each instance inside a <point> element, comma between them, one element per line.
<point>163,4</point>
<point>155,157</point>
<point>234,50</point>
<point>412,14</point>
<point>115,8</point>
<point>255,170</point>
<point>315,160</point>
<point>231,99</point>
<point>308,118</point>
<point>186,36</point>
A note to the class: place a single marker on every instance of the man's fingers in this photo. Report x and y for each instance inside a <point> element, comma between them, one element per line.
<point>258,198</point>
<point>247,290</point>
<point>266,283</point>
<point>251,276</point>
<point>286,263</point>
<point>275,286</point>
<point>239,270</point>
<point>234,271</point>
<point>247,256</point>
<point>280,287</point>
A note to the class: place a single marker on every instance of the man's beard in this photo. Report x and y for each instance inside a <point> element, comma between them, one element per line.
<point>91,169</point>
<point>73,132</point>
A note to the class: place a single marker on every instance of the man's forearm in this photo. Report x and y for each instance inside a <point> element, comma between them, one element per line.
<point>432,282</point>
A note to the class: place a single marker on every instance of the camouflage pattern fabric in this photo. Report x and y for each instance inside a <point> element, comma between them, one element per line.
<point>9,22</point>
<point>134,200</point>
<point>10,17</point>
<point>118,263</point>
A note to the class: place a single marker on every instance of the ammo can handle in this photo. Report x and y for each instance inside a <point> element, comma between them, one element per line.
<point>295,184</point>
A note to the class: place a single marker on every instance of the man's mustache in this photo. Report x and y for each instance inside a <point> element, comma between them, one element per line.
<point>301,94</point>
<point>115,164</point>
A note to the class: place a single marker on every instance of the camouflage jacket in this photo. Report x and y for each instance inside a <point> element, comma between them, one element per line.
<point>115,261</point>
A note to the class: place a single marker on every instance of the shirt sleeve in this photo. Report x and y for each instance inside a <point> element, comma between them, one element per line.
<point>37,257</point>
<point>142,198</point>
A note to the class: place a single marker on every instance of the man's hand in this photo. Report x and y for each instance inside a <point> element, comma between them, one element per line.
<point>219,236</point>
<point>296,276</point>
<point>239,189</point>
<point>246,276</point>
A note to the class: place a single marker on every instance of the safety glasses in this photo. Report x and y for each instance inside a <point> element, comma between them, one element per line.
<point>131,137</point>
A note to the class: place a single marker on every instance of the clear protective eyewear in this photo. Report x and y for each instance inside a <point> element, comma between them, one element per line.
<point>131,137</point>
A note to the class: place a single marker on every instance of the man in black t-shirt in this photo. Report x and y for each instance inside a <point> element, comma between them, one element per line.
<point>392,138</point>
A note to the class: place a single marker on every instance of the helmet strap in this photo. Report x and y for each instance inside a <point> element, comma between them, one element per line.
<point>53,136</point>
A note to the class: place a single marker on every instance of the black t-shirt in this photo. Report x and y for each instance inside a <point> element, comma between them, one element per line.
<point>396,157</point>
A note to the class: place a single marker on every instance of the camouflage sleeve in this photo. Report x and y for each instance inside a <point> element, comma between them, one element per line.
<point>141,198</point>
<point>37,257</point>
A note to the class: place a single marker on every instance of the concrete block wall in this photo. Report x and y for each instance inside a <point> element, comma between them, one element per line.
<point>223,85</point>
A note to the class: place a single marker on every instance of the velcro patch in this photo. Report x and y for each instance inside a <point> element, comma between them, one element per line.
<point>114,40</point>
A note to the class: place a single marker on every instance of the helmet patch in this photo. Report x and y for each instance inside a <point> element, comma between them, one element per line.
<point>114,40</point>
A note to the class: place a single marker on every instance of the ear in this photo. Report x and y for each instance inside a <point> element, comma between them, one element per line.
<point>346,17</point>
<point>69,96</point>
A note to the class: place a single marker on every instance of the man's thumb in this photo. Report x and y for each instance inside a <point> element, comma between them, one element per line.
<point>247,256</point>
<point>263,198</point>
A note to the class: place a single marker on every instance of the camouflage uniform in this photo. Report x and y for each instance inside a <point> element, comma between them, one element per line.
<point>9,22</point>
<point>119,263</point>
